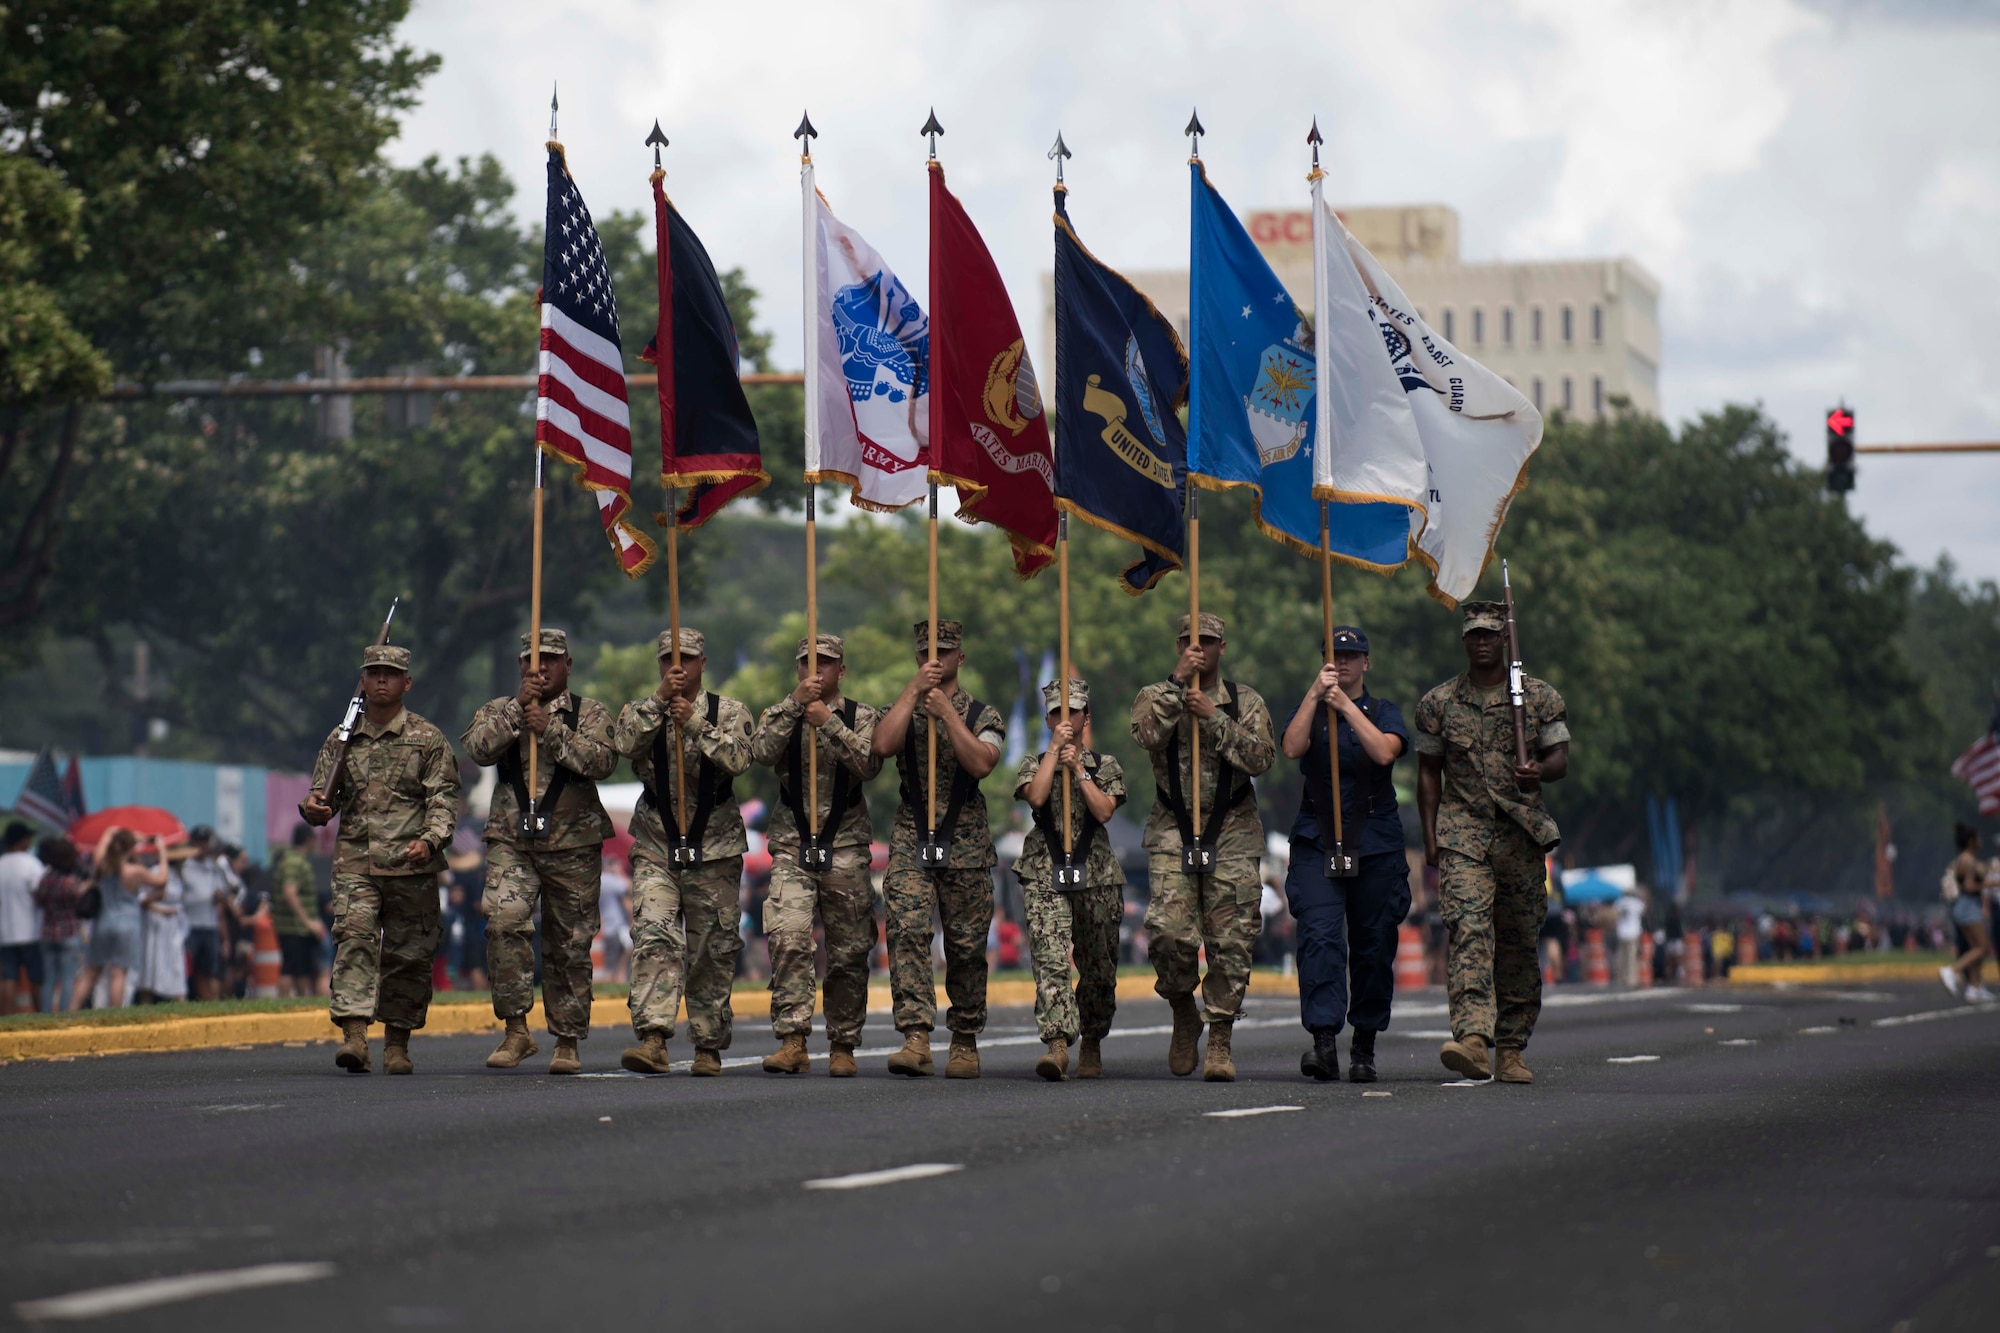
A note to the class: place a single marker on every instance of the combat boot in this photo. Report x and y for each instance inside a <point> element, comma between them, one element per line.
<point>648,1057</point>
<point>707,1063</point>
<point>914,1060</point>
<point>963,1062</point>
<point>565,1060</point>
<point>790,1057</point>
<point>840,1064</point>
<point>1322,1062</point>
<point>1187,1032</point>
<point>1089,1059</point>
<point>514,1047</point>
<point>1361,1057</point>
<point>1218,1067</point>
<point>353,1053</point>
<point>1054,1064</point>
<point>396,1051</point>
<point>1508,1067</point>
<point>1467,1058</point>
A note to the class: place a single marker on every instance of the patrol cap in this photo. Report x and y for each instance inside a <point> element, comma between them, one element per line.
<point>692,644</point>
<point>1079,695</point>
<point>1483,615</point>
<point>555,643</point>
<point>394,656</point>
<point>830,646</point>
<point>1349,639</point>
<point>951,633</point>
<point>1211,627</point>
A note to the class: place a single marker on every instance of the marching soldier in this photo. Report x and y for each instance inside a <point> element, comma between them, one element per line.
<point>1205,882</point>
<point>827,874</point>
<point>685,883</point>
<point>1347,924</point>
<point>1063,919</point>
<point>1486,831</point>
<point>562,864</point>
<point>960,889</point>
<point>397,799</point>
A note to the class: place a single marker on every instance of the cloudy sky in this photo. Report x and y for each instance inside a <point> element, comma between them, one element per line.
<point>1815,182</point>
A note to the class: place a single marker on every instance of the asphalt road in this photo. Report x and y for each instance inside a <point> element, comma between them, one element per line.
<point>1797,1160</point>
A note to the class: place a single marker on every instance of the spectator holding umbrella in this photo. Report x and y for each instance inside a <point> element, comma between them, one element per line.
<point>115,928</point>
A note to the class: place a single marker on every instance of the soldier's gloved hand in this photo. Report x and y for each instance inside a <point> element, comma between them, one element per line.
<point>1528,776</point>
<point>681,707</point>
<point>1200,705</point>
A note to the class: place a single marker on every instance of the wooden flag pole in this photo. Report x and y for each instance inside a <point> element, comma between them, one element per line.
<point>535,628</point>
<point>674,632</point>
<point>1062,673</point>
<point>1326,621</point>
<point>812,660</point>
<point>930,729</point>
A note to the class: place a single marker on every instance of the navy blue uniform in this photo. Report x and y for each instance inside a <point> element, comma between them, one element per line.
<point>1348,926</point>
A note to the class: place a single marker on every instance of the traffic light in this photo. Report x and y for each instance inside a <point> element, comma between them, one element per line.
<point>1840,450</point>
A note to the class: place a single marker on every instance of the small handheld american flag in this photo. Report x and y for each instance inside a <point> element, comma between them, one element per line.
<point>581,410</point>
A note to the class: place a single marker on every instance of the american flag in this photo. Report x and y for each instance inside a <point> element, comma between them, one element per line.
<point>48,799</point>
<point>1980,766</point>
<point>581,411</point>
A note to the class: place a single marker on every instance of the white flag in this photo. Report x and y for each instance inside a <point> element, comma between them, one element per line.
<point>867,366</point>
<point>1452,441</point>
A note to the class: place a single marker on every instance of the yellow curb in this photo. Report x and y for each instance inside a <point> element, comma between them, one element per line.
<point>1827,974</point>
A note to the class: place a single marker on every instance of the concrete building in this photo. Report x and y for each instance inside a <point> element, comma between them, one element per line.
<point>1570,334</point>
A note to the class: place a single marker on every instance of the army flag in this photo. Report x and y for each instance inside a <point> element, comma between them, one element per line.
<point>988,436</point>
<point>1121,378</point>
<point>1253,402</point>
<point>1417,423</point>
<point>582,414</point>
<point>708,437</point>
<point>867,366</point>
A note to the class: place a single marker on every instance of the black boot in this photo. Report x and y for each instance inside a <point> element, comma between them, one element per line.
<point>1322,1062</point>
<point>1361,1057</point>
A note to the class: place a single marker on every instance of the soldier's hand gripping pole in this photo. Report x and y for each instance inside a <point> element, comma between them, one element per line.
<point>1516,696</point>
<point>324,793</point>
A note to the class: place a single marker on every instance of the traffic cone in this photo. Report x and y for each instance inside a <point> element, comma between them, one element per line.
<point>1746,944</point>
<point>1645,977</point>
<point>264,958</point>
<point>1596,967</point>
<point>1412,971</point>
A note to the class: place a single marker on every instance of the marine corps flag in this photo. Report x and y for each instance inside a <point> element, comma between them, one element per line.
<point>988,437</point>
<point>708,438</point>
<point>1121,377</point>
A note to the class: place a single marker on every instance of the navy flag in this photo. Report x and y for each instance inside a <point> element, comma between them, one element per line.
<point>1121,379</point>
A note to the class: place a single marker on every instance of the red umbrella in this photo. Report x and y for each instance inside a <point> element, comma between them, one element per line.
<point>144,820</point>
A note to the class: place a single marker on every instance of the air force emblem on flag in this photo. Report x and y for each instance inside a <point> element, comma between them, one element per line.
<point>884,339</point>
<point>1278,402</point>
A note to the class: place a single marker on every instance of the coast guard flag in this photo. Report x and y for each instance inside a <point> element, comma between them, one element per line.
<point>1121,377</point>
<point>582,415</point>
<point>708,438</point>
<point>867,366</point>
<point>1416,421</point>
<point>1252,409</point>
<point>988,436</point>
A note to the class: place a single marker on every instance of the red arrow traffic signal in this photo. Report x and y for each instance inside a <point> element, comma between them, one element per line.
<point>1839,421</point>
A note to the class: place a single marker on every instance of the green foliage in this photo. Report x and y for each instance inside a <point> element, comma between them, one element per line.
<point>42,356</point>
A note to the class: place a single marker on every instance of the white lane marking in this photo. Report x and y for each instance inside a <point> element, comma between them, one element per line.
<point>1467,1083</point>
<point>1377,1094</point>
<point>1566,999</point>
<point>242,1106</point>
<point>1238,1112</point>
<point>128,1296</point>
<point>1932,1015</point>
<point>1816,1032</point>
<point>1734,1041</point>
<point>1423,1034</point>
<point>1631,1059</point>
<point>864,1179</point>
<point>1859,996</point>
<point>1712,1008</point>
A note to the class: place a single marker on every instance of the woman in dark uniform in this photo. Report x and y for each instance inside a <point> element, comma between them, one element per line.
<point>1347,925</point>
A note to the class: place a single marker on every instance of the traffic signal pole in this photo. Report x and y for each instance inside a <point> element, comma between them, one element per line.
<point>1841,448</point>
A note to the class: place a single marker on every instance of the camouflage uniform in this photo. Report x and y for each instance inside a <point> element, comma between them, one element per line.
<point>1491,838</point>
<point>841,894</point>
<point>686,924</point>
<point>1083,922</point>
<point>1219,910</point>
<point>400,783</point>
<point>961,894</point>
<point>564,870</point>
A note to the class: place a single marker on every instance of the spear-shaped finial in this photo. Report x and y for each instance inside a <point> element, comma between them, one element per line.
<point>1194,131</point>
<point>1315,140</point>
<point>1057,154</point>
<point>656,141</point>
<point>552,110</point>
<point>806,133</point>
<point>933,129</point>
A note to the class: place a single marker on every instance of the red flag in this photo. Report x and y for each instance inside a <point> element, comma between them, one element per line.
<point>988,436</point>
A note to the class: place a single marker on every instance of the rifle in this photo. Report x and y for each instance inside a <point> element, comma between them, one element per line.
<point>352,716</point>
<point>1515,695</point>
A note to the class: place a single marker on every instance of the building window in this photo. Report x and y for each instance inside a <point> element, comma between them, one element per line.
<point>1538,403</point>
<point>1569,395</point>
<point>1507,326</point>
<point>1535,326</point>
<point>1449,331</point>
<point>1597,323</point>
<point>1569,324</point>
<point>1597,395</point>
<point>1478,328</point>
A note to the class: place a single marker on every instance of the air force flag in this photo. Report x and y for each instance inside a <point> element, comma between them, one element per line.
<point>1121,455</point>
<point>1253,408</point>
